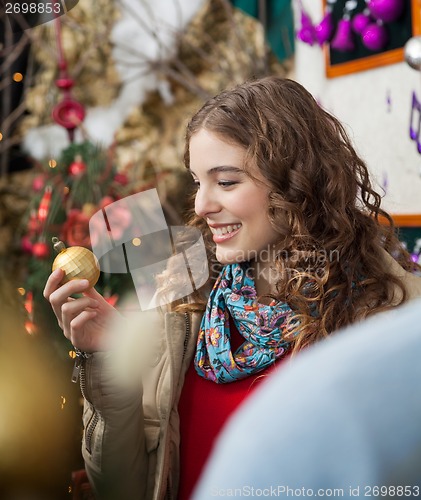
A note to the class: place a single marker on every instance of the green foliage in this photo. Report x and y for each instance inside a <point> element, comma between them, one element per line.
<point>76,194</point>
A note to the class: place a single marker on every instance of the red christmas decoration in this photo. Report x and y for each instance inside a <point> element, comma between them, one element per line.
<point>30,327</point>
<point>121,179</point>
<point>33,223</point>
<point>40,250</point>
<point>26,244</point>
<point>78,167</point>
<point>68,113</point>
<point>44,205</point>
<point>38,183</point>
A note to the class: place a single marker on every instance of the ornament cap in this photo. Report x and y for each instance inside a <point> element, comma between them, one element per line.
<point>58,245</point>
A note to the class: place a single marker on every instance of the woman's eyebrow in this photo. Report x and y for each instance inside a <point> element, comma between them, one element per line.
<point>222,168</point>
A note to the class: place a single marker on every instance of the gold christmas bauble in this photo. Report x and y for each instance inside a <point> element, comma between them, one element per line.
<point>76,262</point>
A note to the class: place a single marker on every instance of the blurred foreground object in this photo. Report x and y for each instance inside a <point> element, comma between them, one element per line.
<point>38,428</point>
<point>343,414</point>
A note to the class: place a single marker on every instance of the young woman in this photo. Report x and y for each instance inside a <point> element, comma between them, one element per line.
<point>287,208</point>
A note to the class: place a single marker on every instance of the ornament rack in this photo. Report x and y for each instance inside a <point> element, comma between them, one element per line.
<point>361,59</point>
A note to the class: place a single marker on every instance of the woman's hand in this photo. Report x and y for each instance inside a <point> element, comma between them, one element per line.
<point>85,321</point>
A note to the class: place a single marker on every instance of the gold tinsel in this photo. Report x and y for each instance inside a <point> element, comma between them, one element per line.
<point>220,47</point>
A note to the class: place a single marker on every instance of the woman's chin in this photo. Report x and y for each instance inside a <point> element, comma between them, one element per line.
<point>226,258</point>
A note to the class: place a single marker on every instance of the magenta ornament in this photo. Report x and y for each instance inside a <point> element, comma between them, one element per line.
<point>324,30</point>
<point>387,11</point>
<point>306,33</point>
<point>26,245</point>
<point>375,36</point>
<point>361,21</point>
<point>343,40</point>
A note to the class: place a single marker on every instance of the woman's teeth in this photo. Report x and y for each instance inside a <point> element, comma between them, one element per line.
<point>225,230</point>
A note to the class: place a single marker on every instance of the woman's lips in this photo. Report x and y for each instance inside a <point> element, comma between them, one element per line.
<point>221,238</point>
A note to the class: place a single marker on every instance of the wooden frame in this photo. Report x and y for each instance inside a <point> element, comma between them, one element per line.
<point>405,220</point>
<point>376,60</point>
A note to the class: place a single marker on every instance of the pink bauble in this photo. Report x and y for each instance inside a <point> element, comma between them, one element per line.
<point>306,33</point>
<point>26,244</point>
<point>324,30</point>
<point>360,22</point>
<point>38,183</point>
<point>375,37</point>
<point>77,168</point>
<point>343,40</point>
<point>386,10</point>
<point>41,250</point>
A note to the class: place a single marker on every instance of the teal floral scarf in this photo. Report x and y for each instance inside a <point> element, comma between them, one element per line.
<point>234,298</point>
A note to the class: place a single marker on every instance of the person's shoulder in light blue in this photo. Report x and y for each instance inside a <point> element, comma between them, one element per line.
<point>344,415</point>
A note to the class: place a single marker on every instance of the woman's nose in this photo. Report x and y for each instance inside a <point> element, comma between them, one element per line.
<point>205,203</point>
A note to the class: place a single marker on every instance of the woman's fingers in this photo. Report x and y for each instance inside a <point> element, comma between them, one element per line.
<point>53,283</point>
<point>78,335</point>
<point>74,308</point>
<point>60,296</point>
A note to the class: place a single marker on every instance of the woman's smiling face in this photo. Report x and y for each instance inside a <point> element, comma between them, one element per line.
<point>233,205</point>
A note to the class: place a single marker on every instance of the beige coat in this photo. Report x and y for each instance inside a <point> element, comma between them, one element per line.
<point>131,431</point>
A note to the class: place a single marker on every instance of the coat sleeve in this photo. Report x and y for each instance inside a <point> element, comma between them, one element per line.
<point>113,445</point>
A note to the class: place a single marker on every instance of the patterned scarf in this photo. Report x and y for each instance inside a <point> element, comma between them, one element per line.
<point>234,297</point>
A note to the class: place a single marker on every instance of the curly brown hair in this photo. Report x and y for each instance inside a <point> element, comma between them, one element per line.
<point>321,202</point>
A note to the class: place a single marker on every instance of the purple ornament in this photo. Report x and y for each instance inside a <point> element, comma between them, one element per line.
<point>361,21</point>
<point>306,33</point>
<point>343,40</point>
<point>375,37</point>
<point>386,10</point>
<point>324,30</point>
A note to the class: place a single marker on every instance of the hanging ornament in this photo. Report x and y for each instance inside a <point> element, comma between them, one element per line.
<point>33,223</point>
<point>77,167</point>
<point>324,30</point>
<point>76,262</point>
<point>307,32</point>
<point>412,52</point>
<point>361,21</point>
<point>344,39</point>
<point>319,33</point>
<point>44,206</point>
<point>38,183</point>
<point>68,113</point>
<point>26,245</point>
<point>387,11</point>
<point>40,250</point>
<point>374,36</point>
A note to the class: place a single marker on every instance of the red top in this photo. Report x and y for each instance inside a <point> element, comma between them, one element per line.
<point>204,407</point>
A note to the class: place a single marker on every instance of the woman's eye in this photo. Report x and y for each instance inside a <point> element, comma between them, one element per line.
<point>226,183</point>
